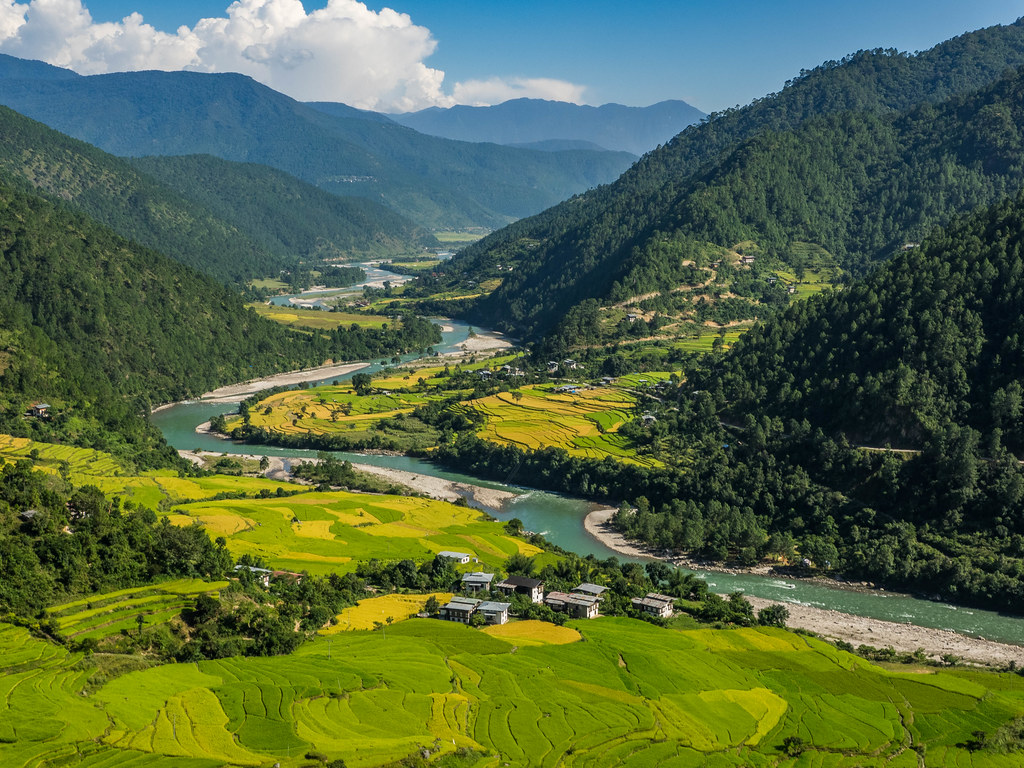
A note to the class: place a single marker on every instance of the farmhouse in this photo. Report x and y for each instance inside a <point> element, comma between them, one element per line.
<point>262,575</point>
<point>577,606</point>
<point>40,410</point>
<point>494,613</point>
<point>459,557</point>
<point>532,588</point>
<point>476,581</point>
<point>593,590</point>
<point>570,389</point>
<point>459,609</point>
<point>654,604</point>
<point>747,260</point>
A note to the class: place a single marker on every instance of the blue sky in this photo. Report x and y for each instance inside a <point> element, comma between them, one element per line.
<point>712,54</point>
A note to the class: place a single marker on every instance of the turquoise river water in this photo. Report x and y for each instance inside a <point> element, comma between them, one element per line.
<point>560,519</point>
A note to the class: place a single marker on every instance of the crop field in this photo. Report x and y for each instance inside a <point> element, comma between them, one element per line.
<point>318,319</point>
<point>396,607</point>
<point>88,467</point>
<point>107,614</point>
<point>583,423</point>
<point>523,633</point>
<point>630,694</point>
<point>705,342</point>
<point>324,532</point>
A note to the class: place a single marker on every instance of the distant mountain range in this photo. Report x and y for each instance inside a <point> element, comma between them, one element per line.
<point>436,182</point>
<point>529,122</point>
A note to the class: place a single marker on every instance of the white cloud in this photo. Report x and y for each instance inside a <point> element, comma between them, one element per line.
<point>342,52</point>
<point>479,93</point>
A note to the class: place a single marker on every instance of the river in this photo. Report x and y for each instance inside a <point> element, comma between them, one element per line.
<point>560,519</point>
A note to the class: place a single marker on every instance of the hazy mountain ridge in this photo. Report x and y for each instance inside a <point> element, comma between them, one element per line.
<point>436,182</point>
<point>526,121</point>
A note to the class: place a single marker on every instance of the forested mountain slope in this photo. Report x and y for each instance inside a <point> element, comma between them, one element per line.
<point>37,158</point>
<point>102,328</point>
<point>435,181</point>
<point>785,432</point>
<point>286,215</point>
<point>580,248</point>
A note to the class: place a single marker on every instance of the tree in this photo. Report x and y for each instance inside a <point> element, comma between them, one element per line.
<point>520,565</point>
<point>361,383</point>
<point>775,615</point>
<point>432,606</point>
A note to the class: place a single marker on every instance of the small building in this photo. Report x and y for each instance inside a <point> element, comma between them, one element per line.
<point>459,609</point>
<point>40,410</point>
<point>576,605</point>
<point>654,604</point>
<point>477,581</point>
<point>791,290</point>
<point>594,590</point>
<point>631,317</point>
<point>289,575</point>
<point>568,389</point>
<point>28,514</point>
<point>459,557</point>
<point>522,585</point>
<point>494,613</point>
<point>262,575</point>
<point>748,260</point>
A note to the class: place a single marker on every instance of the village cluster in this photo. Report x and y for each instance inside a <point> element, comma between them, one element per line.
<point>583,602</point>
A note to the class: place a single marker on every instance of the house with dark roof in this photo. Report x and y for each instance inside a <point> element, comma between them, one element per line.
<point>522,585</point>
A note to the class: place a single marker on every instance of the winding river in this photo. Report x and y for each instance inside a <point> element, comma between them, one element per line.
<point>560,519</point>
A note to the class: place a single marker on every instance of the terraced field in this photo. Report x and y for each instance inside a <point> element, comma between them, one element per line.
<point>628,694</point>
<point>583,423</point>
<point>396,607</point>
<point>324,532</point>
<point>88,467</point>
<point>103,615</point>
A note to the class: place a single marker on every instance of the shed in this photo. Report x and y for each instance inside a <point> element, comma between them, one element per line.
<point>458,557</point>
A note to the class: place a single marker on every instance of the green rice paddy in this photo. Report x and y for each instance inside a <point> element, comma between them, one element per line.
<point>627,694</point>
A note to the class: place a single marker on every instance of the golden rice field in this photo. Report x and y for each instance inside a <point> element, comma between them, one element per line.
<point>299,317</point>
<point>88,467</point>
<point>395,607</point>
<point>333,531</point>
<point>583,423</point>
<point>526,633</point>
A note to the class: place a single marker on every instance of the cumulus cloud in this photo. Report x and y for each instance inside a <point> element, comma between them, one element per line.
<point>342,52</point>
<point>481,93</point>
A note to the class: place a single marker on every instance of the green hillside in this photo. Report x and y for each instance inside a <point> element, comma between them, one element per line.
<point>110,191</point>
<point>596,243</point>
<point>285,215</point>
